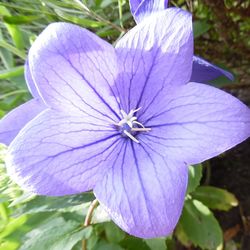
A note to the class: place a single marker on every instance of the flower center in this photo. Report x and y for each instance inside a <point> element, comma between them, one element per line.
<point>129,126</point>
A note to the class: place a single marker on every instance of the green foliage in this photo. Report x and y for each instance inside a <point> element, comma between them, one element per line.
<point>113,233</point>
<point>158,243</point>
<point>215,198</point>
<point>194,177</point>
<point>201,27</point>
<point>54,234</point>
<point>199,226</point>
<point>14,31</point>
<point>49,204</point>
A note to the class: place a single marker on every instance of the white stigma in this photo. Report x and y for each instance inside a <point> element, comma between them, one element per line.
<point>129,124</point>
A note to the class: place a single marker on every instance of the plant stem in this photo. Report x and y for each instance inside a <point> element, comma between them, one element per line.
<point>87,220</point>
<point>120,12</point>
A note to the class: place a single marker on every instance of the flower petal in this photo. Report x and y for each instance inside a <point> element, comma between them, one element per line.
<point>75,70</point>
<point>14,121</point>
<point>203,71</point>
<point>155,55</point>
<point>134,4</point>
<point>195,122</point>
<point>144,191</point>
<point>59,153</point>
<point>30,82</point>
<point>143,8</point>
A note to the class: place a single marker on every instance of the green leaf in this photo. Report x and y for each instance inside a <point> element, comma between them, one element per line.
<point>200,27</point>
<point>12,72</point>
<point>102,245</point>
<point>182,236</point>
<point>25,197</point>
<point>194,177</point>
<point>157,243</point>
<point>6,56</point>
<point>113,233</point>
<point>198,225</point>
<point>14,31</point>
<point>132,243</point>
<point>9,245</point>
<point>4,212</point>
<point>215,198</point>
<point>49,204</point>
<point>80,21</point>
<point>12,49</point>
<point>55,234</point>
<point>20,19</point>
<point>13,225</point>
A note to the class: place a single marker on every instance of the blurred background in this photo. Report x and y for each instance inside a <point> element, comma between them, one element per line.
<point>213,218</point>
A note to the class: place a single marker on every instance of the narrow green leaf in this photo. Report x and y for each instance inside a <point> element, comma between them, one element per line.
<point>194,177</point>
<point>13,224</point>
<point>9,245</point>
<point>80,21</point>
<point>14,93</point>
<point>3,212</point>
<point>14,31</point>
<point>200,226</point>
<point>5,55</point>
<point>215,198</point>
<point>20,19</point>
<point>12,72</point>
<point>25,197</point>
<point>12,49</point>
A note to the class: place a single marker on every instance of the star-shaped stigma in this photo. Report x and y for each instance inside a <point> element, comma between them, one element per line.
<point>129,125</point>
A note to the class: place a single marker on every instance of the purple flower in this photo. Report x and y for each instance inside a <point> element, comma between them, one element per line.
<point>125,121</point>
<point>15,120</point>
<point>202,71</point>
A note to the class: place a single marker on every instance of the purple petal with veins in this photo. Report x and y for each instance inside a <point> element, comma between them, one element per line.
<point>203,71</point>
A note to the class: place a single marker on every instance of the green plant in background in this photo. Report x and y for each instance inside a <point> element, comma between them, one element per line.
<point>36,222</point>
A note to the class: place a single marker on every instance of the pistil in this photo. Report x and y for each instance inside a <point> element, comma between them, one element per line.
<point>129,125</point>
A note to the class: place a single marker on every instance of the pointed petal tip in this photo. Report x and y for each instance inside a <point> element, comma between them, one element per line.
<point>204,71</point>
<point>127,195</point>
<point>141,9</point>
<point>15,120</point>
<point>201,122</point>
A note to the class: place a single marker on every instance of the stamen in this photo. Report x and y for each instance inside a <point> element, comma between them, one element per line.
<point>138,123</point>
<point>130,136</point>
<point>137,110</point>
<point>141,129</point>
<point>127,123</point>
